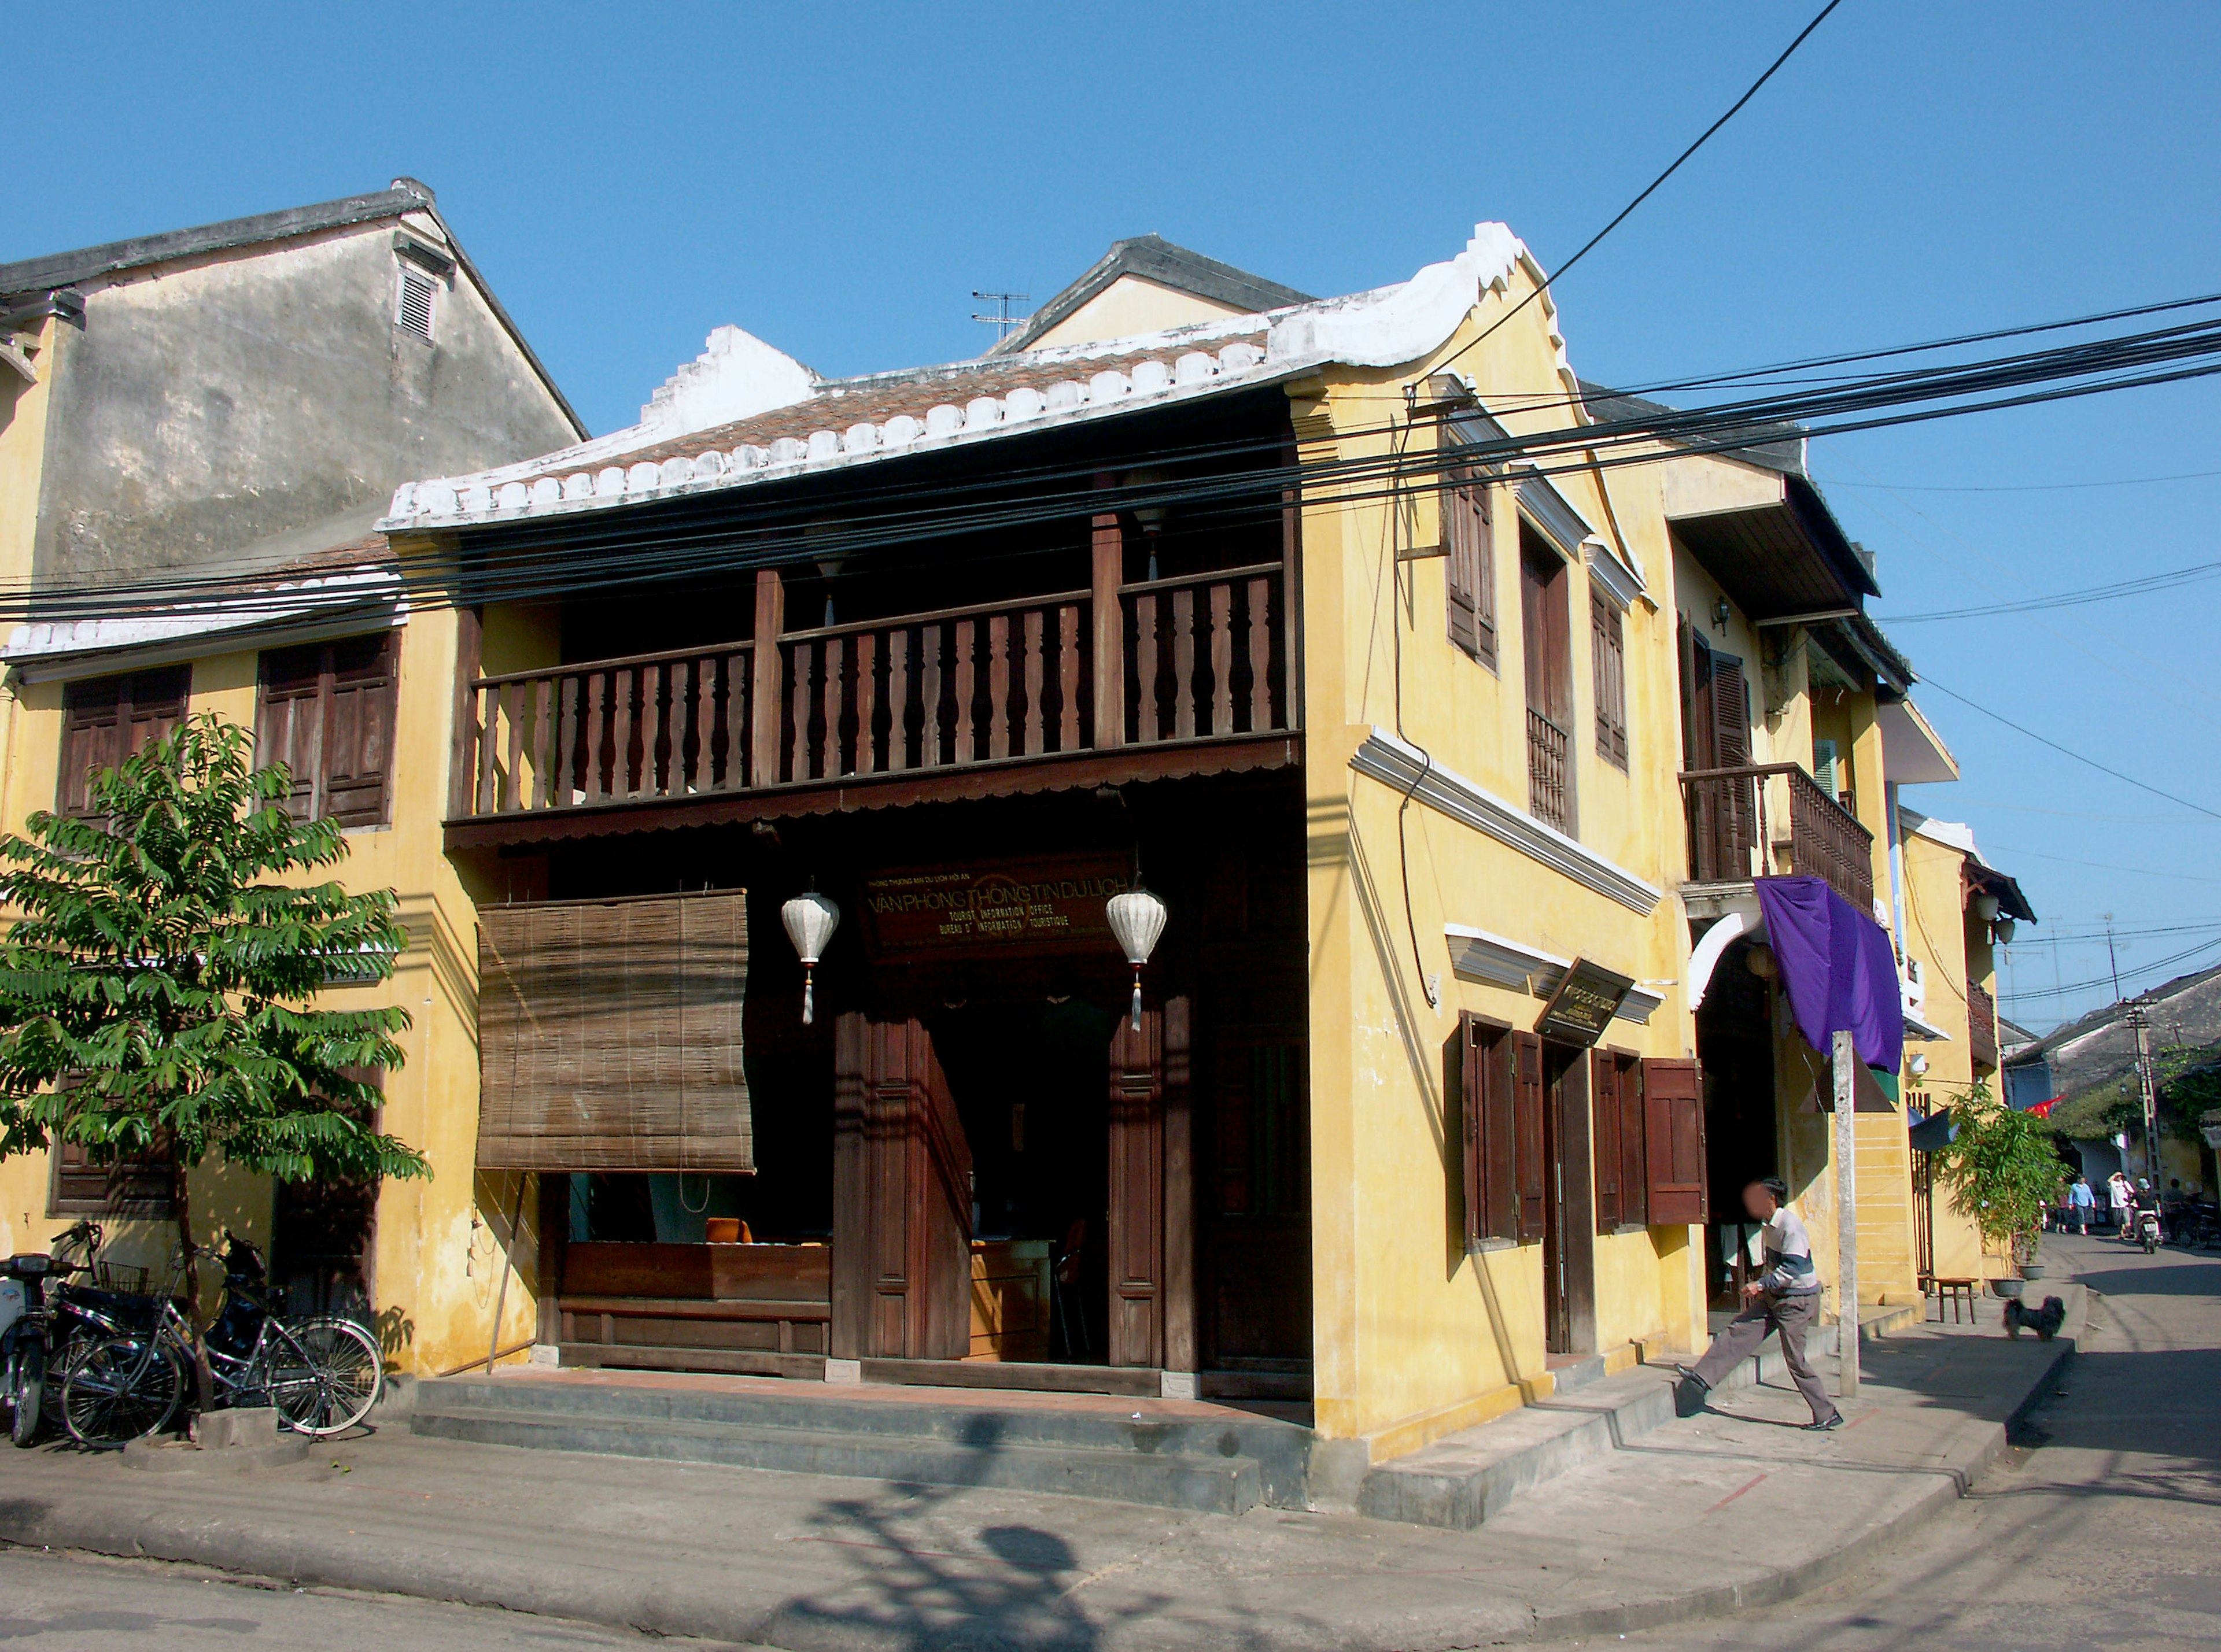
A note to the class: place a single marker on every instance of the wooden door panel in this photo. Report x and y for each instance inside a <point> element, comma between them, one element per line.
<point>1136,1230</point>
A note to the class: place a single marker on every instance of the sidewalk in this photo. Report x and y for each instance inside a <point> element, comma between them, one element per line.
<point>1730,1509</point>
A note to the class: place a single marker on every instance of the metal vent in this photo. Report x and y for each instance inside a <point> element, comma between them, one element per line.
<point>414,313</point>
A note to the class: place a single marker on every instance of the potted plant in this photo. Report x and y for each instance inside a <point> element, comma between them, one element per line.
<point>2002,1173</point>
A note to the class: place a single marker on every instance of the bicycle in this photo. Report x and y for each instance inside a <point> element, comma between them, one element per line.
<point>322,1373</point>
<point>59,1319</point>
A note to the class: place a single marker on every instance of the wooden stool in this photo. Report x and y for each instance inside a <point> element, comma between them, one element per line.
<point>1955,1293</point>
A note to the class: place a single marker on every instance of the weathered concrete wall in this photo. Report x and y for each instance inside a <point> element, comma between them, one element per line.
<point>213,403</point>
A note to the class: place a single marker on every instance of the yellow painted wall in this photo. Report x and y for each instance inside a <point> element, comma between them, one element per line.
<point>1129,305</point>
<point>1412,1336</point>
<point>443,1245</point>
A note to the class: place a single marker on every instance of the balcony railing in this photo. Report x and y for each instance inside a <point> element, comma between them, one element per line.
<point>1735,816</point>
<point>1982,1028</point>
<point>1549,751</point>
<point>1191,659</point>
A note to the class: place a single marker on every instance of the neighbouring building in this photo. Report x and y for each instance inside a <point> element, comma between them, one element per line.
<point>199,432</point>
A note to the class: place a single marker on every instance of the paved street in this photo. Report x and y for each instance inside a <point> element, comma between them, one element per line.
<point>58,1603</point>
<point>2106,1535</point>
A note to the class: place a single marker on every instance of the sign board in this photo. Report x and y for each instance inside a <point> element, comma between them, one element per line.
<point>1586,999</point>
<point>1047,902</point>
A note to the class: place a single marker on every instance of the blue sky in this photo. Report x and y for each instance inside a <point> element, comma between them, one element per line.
<point>839,183</point>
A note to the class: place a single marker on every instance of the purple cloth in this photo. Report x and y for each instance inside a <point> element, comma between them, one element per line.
<point>1838,968</point>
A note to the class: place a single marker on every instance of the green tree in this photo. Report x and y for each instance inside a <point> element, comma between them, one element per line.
<point>2002,1170</point>
<point>158,987</point>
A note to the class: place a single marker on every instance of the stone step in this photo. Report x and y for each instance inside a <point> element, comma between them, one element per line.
<point>1465,1479</point>
<point>1210,1483</point>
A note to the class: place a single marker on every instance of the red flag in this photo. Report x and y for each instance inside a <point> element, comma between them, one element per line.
<point>2042,1109</point>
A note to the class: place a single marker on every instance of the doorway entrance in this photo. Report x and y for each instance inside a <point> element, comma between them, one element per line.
<point>1568,1206</point>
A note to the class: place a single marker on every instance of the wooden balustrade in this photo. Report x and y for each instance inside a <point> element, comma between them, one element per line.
<point>1730,813</point>
<point>1202,657</point>
<point>1549,765</point>
<point>1982,1028</point>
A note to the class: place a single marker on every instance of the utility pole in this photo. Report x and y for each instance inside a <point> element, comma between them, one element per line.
<point>1847,1216</point>
<point>2146,1085</point>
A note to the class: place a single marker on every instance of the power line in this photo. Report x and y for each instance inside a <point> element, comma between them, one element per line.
<point>2022,487</point>
<point>2040,739</point>
<point>1652,187</point>
<point>2139,587</point>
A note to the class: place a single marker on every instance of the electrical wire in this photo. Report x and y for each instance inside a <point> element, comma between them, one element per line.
<point>2139,587</point>
<point>2041,739</point>
<point>1653,187</point>
<point>2020,487</point>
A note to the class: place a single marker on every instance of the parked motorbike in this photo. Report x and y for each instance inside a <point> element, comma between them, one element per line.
<point>23,1341</point>
<point>47,1318</point>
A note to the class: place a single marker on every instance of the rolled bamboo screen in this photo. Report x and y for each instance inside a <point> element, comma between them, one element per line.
<point>610,1035</point>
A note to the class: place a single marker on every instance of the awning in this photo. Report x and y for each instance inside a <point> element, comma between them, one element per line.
<point>1917,1027</point>
<point>1838,968</point>
<point>1934,1132</point>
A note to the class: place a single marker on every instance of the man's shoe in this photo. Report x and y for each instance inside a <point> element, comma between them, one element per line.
<point>1688,1374</point>
<point>1825,1423</point>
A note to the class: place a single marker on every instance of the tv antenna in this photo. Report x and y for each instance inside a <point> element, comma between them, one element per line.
<point>1002,321</point>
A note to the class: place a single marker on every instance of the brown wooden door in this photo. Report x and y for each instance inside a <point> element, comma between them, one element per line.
<point>902,1199</point>
<point>1136,1215</point>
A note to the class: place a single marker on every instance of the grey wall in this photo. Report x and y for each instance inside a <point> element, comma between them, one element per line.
<point>211,404</point>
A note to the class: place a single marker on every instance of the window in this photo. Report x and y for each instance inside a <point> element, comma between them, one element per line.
<point>1497,1075</point>
<point>142,1184</point>
<point>1608,660</point>
<point>1470,571</point>
<point>412,307</point>
<point>326,712</point>
<point>107,721</point>
<point>1544,631</point>
<point>1618,1141</point>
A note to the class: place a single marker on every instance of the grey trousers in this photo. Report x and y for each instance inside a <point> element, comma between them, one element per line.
<point>1792,1316</point>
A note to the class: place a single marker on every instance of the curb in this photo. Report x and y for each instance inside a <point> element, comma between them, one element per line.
<point>644,1602</point>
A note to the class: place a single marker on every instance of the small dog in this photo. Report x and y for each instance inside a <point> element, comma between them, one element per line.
<point>2044,1321</point>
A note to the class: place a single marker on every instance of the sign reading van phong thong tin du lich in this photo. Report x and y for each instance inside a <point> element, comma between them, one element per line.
<point>1047,901</point>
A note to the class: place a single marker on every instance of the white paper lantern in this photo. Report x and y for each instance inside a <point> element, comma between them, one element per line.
<point>810,919</point>
<point>1137,918</point>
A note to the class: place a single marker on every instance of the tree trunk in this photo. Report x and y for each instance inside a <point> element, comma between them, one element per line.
<point>204,1378</point>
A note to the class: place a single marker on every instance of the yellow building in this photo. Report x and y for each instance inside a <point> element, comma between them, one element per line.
<point>1444,760</point>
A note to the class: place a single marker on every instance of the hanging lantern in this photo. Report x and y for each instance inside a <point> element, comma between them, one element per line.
<point>810,919</point>
<point>1137,918</point>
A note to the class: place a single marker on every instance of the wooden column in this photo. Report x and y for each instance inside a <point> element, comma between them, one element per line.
<point>555,1226</point>
<point>1110,573</point>
<point>462,764</point>
<point>766,690</point>
<point>1179,1310</point>
<point>1136,1236</point>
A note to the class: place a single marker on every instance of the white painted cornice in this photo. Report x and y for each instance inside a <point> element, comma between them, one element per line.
<point>1476,955</point>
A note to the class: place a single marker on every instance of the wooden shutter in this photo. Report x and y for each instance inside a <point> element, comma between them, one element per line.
<point>1731,708</point>
<point>289,721</point>
<point>1634,1156</point>
<point>1136,1233</point>
<point>359,707</point>
<point>1470,569</point>
<point>1530,1157</point>
<point>1487,1129</point>
<point>610,1035</point>
<point>1673,1126</point>
<point>1608,659</point>
<point>108,720</point>
<point>1603,1138</point>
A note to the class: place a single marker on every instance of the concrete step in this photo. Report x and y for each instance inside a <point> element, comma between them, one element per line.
<point>1463,1479</point>
<point>1220,1460</point>
<point>1216,1485</point>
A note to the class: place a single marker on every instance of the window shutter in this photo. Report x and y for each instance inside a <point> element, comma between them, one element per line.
<point>1634,1174</point>
<point>1531,1166</point>
<point>1608,657</point>
<point>108,720</point>
<point>1673,1126</point>
<point>413,309</point>
<point>289,725</point>
<point>358,729</point>
<point>1604,1137</point>
<point>1467,575</point>
<point>1731,712</point>
<point>1489,1128</point>
<point>1470,1056</point>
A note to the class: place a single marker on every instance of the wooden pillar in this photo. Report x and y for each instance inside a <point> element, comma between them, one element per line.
<point>765,691</point>
<point>1110,573</point>
<point>555,1226</point>
<point>1179,1312</point>
<point>1136,1236</point>
<point>462,764</point>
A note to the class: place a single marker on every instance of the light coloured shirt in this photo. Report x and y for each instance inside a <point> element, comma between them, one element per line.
<point>1786,1253</point>
<point>2081,1196</point>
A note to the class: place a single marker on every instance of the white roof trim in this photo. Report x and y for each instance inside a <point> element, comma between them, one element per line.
<point>1621,584</point>
<point>1917,1027</point>
<point>1394,763</point>
<point>45,649</point>
<point>1476,955</point>
<point>1385,327</point>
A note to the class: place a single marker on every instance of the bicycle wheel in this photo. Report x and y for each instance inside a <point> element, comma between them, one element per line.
<point>323,1375</point>
<point>120,1388</point>
<point>27,1390</point>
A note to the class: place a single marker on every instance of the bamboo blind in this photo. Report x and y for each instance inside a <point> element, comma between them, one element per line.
<point>610,1035</point>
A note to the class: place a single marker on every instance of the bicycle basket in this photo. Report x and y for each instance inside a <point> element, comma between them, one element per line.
<point>120,1279</point>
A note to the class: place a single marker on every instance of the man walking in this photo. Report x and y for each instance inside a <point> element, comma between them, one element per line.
<point>2080,1202</point>
<point>1785,1298</point>
<point>2124,1199</point>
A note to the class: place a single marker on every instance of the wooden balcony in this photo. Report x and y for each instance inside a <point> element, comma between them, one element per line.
<point>1981,1028</point>
<point>1164,677</point>
<point>1736,818</point>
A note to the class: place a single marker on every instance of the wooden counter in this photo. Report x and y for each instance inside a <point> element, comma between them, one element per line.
<point>1010,1304</point>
